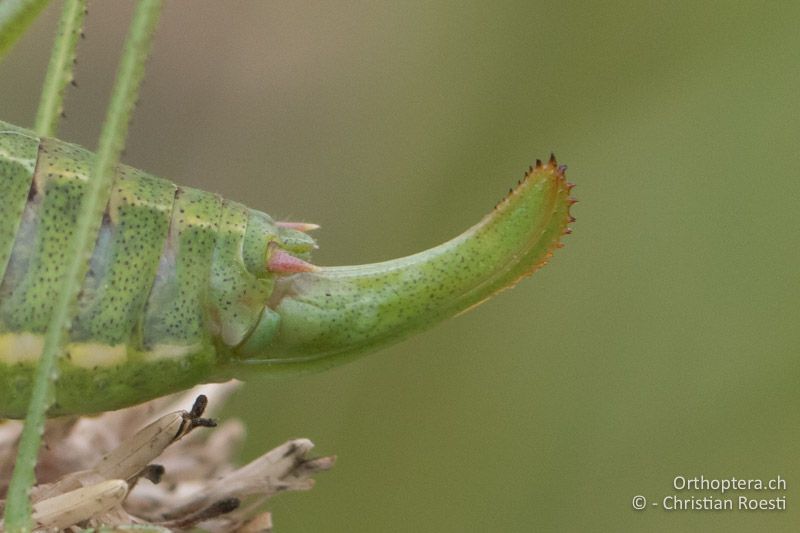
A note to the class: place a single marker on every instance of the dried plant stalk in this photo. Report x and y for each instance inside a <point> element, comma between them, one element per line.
<point>100,472</point>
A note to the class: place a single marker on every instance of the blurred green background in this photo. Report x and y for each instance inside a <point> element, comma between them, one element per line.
<point>661,341</point>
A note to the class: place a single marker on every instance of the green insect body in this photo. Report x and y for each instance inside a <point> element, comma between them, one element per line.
<point>184,287</point>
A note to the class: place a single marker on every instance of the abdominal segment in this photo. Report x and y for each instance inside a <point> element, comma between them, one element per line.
<point>166,273</point>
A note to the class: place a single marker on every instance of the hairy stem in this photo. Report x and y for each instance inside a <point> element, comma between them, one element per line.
<point>112,140</point>
<point>59,71</point>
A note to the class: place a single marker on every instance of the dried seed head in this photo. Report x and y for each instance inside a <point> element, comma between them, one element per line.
<point>80,504</point>
<point>200,487</point>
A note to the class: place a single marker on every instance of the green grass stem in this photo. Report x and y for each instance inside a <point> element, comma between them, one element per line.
<point>112,140</point>
<point>59,71</point>
<point>15,17</point>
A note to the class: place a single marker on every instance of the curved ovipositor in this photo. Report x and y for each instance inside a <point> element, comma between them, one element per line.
<point>185,287</point>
